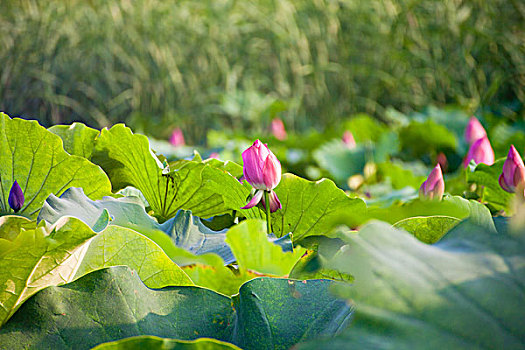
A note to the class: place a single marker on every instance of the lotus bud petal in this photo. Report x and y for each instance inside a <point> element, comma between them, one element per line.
<point>255,200</point>
<point>16,197</point>
<point>275,203</point>
<point>177,138</point>
<point>474,131</point>
<point>513,171</point>
<point>348,139</point>
<point>434,186</point>
<point>278,129</point>
<point>481,152</point>
<point>261,168</point>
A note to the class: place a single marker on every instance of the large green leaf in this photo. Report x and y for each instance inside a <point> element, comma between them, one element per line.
<point>256,254</point>
<point>121,246</point>
<point>465,292</point>
<point>488,177</point>
<point>309,208</point>
<point>78,139</point>
<point>156,343</point>
<point>36,159</point>
<point>253,251</point>
<point>202,187</point>
<point>112,304</point>
<point>33,259</point>
<point>428,229</point>
<point>452,206</point>
<point>183,230</point>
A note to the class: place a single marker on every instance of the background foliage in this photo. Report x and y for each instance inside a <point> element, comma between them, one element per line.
<point>155,63</point>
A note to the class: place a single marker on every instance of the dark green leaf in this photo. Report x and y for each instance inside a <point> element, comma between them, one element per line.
<point>465,292</point>
<point>112,304</point>
<point>156,343</point>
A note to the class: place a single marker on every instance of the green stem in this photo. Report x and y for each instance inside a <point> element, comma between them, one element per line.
<point>268,218</point>
<point>482,196</point>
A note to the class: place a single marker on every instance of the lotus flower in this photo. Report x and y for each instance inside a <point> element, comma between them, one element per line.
<point>474,131</point>
<point>434,186</point>
<point>480,152</point>
<point>263,171</point>
<point>177,138</point>
<point>16,197</point>
<point>348,139</point>
<point>513,171</point>
<point>278,129</point>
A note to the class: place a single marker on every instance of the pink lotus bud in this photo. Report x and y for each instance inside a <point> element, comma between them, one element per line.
<point>434,186</point>
<point>348,139</point>
<point>278,129</point>
<point>177,138</point>
<point>474,131</point>
<point>16,197</point>
<point>480,152</point>
<point>513,171</point>
<point>263,171</point>
<point>261,168</point>
<point>214,155</point>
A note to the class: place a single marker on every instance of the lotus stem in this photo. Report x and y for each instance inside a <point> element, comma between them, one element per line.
<point>267,205</point>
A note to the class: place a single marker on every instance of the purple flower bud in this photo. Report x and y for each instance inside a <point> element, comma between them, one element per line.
<point>474,131</point>
<point>16,197</point>
<point>177,138</point>
<point>434,186</point>
<point>481,152</point>
<point>513,171</point>
<point>261,168</point>
<point>348,139</point>
<point>278,129</point>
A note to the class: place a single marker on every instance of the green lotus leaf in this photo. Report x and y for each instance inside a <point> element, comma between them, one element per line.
<point>254,251</point>
<point>202,187</point>
<point>156,343</point>
<point>35,158</point>
<point>35,258</point>
<point>488,177</point>
<point>309,208</point>
<point>428,229</point>
<point>78,138</point>
<point>183,230</point>
<point>464,292</point>
<point>113,304</point>
<point>452,206</point>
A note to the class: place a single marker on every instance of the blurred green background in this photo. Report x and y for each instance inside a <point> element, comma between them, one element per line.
<point>226,64</point>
